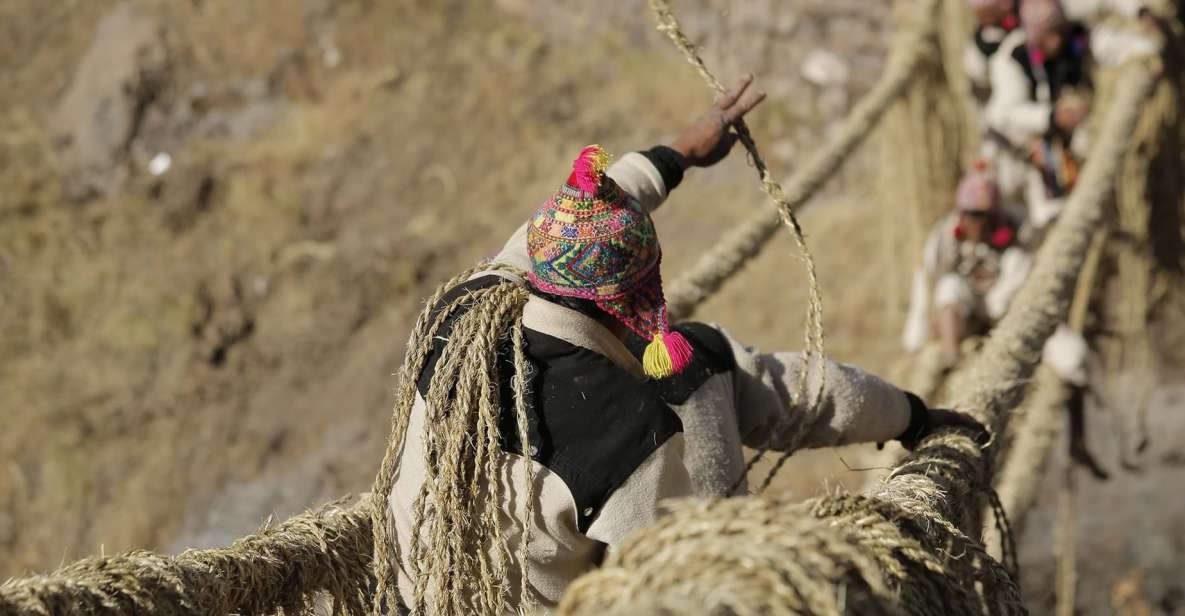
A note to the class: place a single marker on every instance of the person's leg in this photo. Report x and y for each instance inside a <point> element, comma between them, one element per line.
<point>951,328</point>
<point>953,303</point>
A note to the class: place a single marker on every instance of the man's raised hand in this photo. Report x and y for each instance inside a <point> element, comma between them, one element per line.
<point>708,140</point>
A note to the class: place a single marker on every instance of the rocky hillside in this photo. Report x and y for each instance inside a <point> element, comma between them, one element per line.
<point>217,219</point>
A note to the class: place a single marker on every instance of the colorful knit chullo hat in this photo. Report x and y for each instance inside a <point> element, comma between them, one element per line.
<point>588,241</point>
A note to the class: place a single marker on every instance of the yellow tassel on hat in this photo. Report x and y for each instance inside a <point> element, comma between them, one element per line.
<point>656,360</point>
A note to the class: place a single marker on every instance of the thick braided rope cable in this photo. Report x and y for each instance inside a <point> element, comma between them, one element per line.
<point>1020,475</point>
<point>746,240</point>
<point>916,529</point>
<point>282,568</point>
<point>1066,544</point>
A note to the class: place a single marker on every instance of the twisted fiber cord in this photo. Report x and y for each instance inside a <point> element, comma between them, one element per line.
<point>386,557</point>
<point>670,25</point>
<point>520,408</point>
<point>1066,544</point>
<point>459,552</point>
<point>918,527</point>
<point>280,569</point>
<point>845,554</point>
<point>813,332</point>
<point>746,240</point>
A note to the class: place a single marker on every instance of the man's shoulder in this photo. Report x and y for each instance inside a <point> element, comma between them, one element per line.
<point>711,356</point>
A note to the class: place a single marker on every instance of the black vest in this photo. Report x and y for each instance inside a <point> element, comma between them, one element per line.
<point>591,422</point>
<point>1068,69</point>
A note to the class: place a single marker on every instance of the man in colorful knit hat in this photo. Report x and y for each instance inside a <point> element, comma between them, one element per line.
<point>626,409</point>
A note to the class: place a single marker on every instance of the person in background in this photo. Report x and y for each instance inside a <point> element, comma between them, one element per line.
<point>972,266</point>
<point>1041,93</point>
<point>994,20</point>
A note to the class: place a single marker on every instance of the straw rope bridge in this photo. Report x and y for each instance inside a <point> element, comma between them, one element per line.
<point>908,545</point>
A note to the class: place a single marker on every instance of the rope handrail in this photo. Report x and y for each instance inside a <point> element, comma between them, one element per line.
<point>288,567</point>
<point>907,545</point>
<point>1043,414</point>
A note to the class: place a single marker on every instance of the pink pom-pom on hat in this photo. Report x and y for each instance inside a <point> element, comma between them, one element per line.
<point>589,168</point>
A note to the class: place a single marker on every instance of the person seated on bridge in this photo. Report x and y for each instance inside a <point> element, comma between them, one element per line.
<point>623,408</point>
<point>994,20</point>
<point>1041,84</point>
<point>972,264</point>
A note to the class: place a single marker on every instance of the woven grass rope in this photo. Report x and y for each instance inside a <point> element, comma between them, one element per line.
<point>460,556</point>
<point>317,557</point>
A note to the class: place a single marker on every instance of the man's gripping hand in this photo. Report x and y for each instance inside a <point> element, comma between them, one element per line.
<point>708,140</point>
<point>925,421</point>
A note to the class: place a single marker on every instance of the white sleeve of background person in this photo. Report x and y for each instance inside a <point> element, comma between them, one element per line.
<point>918,317</point>
<point>1112,47</point>
<point>975,64</point>
<point>636,175</point>
<point>1010,110</point>
<point>1014,270</point>
<point>634,504</point>
<point>917,320</point>
<point>856,407</point>
<point>1091,11</point>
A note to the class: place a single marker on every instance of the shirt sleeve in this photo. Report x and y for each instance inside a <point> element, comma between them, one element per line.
<point>975,65</point>
<point>856,407</point>
<point>1010,111</point>
<point>635,503</point>
<point>1091,11</point>
<point>917,320</point>
<point>1015,264</point>
<point>648,176</point>
<point>918,317</point>
<point>1112,46</point>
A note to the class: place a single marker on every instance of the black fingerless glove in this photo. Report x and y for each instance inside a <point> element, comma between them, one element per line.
<point>919,422</point>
